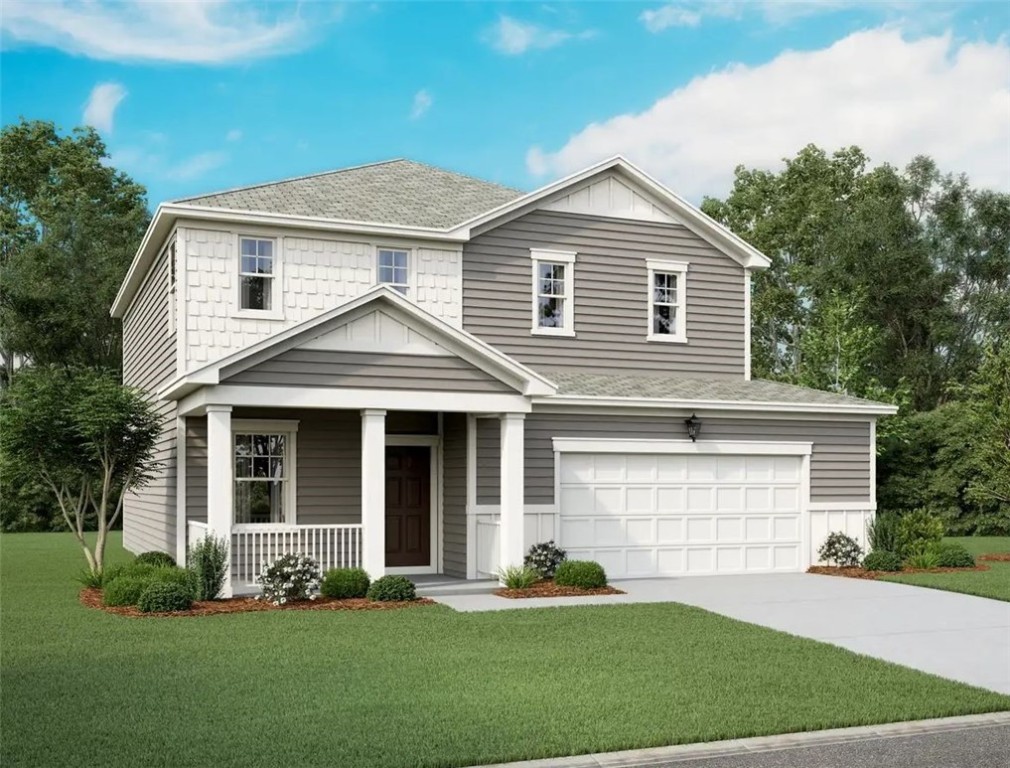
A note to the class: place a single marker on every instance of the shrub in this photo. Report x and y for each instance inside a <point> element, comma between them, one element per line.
<point>155,558</point>
<point>928,559</point>
<point>580,573</point>
<point>126,587</point>
<point>208,559</point>
<point>841,550</point>
<point>882,560</point>
<point>344,583</point>
<point>518,576</point>
<point>289,577</point>
<point>954,556</point>
<point>882,532</point>
<point>165,597</point>
<point>544,558</point>
<point>390,589</point>
<point>919,532</point>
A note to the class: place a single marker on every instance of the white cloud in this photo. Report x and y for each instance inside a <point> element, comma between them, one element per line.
<point>194,31</point>
<point>778,12</point>
<point>664,17</point>
<point>422,103</point>
<point>514,37</point>
<point>233,135</point>
<point>101,107</point>
<point>893,97</point>
<point>196,166</point>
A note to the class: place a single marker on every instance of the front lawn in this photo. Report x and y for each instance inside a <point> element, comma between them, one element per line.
<point>423,687</point>
<point>994,583</point>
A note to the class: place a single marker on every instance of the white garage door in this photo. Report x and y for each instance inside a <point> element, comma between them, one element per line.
<point>668,515</point>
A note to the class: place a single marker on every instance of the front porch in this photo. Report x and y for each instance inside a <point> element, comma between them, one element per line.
<point>387,491</point>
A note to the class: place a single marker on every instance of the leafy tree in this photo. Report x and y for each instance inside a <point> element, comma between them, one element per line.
<point>989,404</point>
<point>69,226</point>
<point>86,437</point>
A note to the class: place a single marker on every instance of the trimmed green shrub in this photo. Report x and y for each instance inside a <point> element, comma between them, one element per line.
<point>155,558</point>
<point>128,585</point>
<point>208,559</point>
<point>544,558</point>
<point>841,550</point>
<point>344,583</point>
<point>919,532</point>
<point>580,573</point>
<point>391,589</point>
<point>882,532</point>
<point>882,560</point>
<point>928,559</point>
<point>518,576</point>
<point>165,597</point>
<point>954,556</point>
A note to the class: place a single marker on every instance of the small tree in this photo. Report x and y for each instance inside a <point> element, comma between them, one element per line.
<point>86,437</point>
<point>989,402</point>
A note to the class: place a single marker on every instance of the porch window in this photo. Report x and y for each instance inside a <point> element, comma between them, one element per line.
<point>262,476</point>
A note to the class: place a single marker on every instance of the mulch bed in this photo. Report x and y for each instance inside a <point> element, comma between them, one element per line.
<point>92,598</point>
<point>859,573</point>
<point>995,557</point>
<point>550,589</point>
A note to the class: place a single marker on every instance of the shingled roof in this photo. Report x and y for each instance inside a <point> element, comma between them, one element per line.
<point>398,192</point>
<point>578,384</point>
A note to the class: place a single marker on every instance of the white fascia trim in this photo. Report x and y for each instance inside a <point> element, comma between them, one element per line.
<point>239,396</point>
<point>729,447</point>
<point>725,405</point>
<point>746,327</point>
<point>736,247</point>
<point>462,343</point>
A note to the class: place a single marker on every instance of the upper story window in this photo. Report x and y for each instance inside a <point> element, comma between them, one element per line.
<point>667,301</point>
<point>393,268</point>
<point>172,287</point>
<point>264,472</point>
<point>257,270</point>
<point>553,295</point>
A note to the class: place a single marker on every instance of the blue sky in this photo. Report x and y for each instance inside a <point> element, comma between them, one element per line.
<point>193,97</point>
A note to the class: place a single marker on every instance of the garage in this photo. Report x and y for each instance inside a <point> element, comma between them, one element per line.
<point>672,508</point>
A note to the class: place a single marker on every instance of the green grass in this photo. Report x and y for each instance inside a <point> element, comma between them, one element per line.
<point>423,686</point>
<point>994,583</point>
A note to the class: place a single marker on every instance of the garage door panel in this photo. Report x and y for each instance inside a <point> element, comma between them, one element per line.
<point>643,515</point>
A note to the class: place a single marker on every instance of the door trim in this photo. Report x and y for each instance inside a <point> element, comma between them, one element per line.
<point>434,445</point>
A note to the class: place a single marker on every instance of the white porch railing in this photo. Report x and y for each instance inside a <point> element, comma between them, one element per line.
<point>195,531</point>
<point>332,546</point>
<point>488,549</point>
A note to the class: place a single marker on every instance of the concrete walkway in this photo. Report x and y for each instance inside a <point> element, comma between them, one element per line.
<point>956,636</point>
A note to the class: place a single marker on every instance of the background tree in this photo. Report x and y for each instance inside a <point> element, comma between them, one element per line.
<point>69,227</point>
<point>84,436</point>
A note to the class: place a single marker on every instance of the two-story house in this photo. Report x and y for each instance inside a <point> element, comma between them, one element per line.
<point>403,368</point>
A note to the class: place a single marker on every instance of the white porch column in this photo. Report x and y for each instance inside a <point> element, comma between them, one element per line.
<point>220,481</point>
<point>510,530</point>
<point>373,492</point>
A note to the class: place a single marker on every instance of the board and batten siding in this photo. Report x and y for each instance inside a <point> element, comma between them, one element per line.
<point>149,363</point>
<point>839,465</point>
<point>369,370</point>
<point>328,465</point>
<point>454,494</point>
<point>611,296</point>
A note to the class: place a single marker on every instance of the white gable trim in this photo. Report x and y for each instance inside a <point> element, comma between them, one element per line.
<point>460,343</point>
<point>611,196</point>
<point>691,217</point>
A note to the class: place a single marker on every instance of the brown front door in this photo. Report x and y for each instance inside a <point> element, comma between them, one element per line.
<point>408,506</point>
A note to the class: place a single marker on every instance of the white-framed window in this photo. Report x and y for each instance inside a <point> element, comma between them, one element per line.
<point>393,268</point>
<point>172,287</point>
<point>264,454</point>
<point>667,301</point>
<point>553,292</point>
<point>257,272</point>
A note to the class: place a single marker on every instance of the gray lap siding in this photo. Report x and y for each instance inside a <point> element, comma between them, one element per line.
<point>839,464</point>
<point>611,296</point>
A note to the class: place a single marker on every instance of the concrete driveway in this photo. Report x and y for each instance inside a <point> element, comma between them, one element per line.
<point>955,636</point>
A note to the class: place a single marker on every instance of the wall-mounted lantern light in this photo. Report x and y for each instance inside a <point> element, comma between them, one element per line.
<point>693,427</point>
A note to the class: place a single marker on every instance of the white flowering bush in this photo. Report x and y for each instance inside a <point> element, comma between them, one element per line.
<point>289,577</point>
<point>544,558</point>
